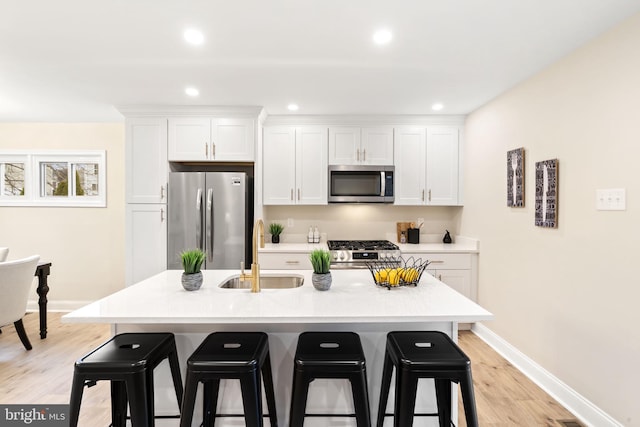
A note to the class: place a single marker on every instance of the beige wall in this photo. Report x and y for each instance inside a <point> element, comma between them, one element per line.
<point>567,297</point>
<point>85,245</point>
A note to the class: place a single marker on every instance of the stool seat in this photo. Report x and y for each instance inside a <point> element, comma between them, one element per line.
<point>128,361</point>
<point>230,355</point>
<point>425,354</point>
<point>329,355</point>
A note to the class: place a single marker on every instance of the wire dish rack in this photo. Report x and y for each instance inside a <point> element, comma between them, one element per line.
<point>396,272</point>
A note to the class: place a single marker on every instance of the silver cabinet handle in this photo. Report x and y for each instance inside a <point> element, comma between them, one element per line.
<point>298,194</point>
<point>358,154</point>
<point>292,262</point>
<point>161,214</point>
<point>429,194</point>
<point>292,194</point>
<point>213,150</point>
<point>206,150</point>
<point>437,262</point>
<point>364,155</point>
<point>423,194</point>
<point>161,192</point>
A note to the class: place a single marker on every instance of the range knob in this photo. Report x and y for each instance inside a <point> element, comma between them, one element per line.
<point>343,256</point>
<point>335,256</point>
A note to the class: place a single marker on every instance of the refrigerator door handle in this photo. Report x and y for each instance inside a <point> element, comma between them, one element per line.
<point>209,222</point>
<point>199,238</point>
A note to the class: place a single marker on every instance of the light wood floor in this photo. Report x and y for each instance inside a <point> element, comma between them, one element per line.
<point>504,396</point>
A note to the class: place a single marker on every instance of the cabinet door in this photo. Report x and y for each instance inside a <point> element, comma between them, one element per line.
<point>344,143</point>
<point>279,166</point>
<point>377,146</point>
<point>442,166</point>
<point>232,140</point>
<point>189,139</point>
<point>409,155</point>
<point>146,160</point>
<point>311,166</point>
<point>459,280</point>
<point>146,241</point>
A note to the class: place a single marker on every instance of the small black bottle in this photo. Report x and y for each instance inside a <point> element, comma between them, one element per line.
<point>447,237</point>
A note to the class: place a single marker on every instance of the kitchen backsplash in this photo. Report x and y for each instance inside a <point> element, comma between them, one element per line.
<point>361,222</point>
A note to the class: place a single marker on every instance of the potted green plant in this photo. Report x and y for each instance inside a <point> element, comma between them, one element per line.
<point>321,277</point>
<point>191,263</point>
<point>275,229</point>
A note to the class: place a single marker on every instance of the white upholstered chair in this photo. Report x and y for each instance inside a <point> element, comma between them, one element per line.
<point>3,254</point>
<point>15,285</point>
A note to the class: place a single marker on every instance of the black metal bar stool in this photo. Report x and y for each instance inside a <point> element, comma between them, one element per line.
<point>128,361</point>
<point>329,355</point>
<point>425,355</point>
<point>230,355</point>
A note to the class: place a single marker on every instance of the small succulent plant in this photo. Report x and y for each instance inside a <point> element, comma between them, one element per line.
<point>192,260</point>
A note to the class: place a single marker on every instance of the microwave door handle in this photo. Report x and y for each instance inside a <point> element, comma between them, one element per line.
<point>383,184</point>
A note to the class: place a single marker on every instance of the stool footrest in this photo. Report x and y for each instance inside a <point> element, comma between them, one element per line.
<point>329,415</point>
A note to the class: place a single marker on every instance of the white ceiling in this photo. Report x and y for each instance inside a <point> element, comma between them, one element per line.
<point>73,60</point>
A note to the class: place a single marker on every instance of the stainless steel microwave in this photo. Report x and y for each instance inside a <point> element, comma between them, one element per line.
<point>361,184</point>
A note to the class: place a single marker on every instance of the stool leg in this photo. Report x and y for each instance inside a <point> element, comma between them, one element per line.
<point>210,401</point>
<point>269,390</point>
<point>387,370</point>
<point>406,387</point>
<point>189,399</point>
<point>138,400</point>
<point>299,393</point>
<point>77,387</point>
<point>361,398</point>
<point>118,404</point>
<point>251,398</point>
<point>175,373</point>
<point>443,399</point>
<point>468,399</point>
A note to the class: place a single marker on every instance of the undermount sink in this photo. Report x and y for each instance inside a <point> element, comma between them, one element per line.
<point>266,282</point>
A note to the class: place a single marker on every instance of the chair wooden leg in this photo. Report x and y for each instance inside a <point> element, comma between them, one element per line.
<point>22,334</point>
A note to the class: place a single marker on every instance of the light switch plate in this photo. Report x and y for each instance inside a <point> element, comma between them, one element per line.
<point>613,199</point>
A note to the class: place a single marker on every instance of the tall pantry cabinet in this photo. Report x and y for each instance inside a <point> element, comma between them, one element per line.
<point>146,198</point>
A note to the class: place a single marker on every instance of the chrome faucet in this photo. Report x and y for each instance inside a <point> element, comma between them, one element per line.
<point>258,230</point>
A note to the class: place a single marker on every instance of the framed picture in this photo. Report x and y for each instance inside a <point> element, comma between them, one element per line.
<point>547,193</point>
<point>515,178</point>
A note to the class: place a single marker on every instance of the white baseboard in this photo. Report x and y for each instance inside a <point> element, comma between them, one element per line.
<point>63,306</point>
<point>588,413</point>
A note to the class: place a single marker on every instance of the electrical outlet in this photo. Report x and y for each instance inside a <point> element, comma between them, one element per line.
<point>289,222</point>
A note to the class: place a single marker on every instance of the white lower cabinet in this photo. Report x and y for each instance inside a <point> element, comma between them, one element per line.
<point>146,244</point>
<point>284,261</point>
<point>456,270</point>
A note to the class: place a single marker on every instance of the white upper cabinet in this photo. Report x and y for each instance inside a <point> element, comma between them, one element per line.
<point>295,165</point>
<point>350,145</point>
<point>146,160</point>
<point>204,139</point>
<point>427,166</point>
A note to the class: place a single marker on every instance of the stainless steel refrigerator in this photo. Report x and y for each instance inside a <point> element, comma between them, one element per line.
<point>210,211</point>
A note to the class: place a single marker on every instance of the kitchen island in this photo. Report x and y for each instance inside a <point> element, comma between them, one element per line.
<point>353,303</point>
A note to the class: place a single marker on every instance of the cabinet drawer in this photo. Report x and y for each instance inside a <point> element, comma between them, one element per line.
<point>284,261</point>
<point>443,261</point>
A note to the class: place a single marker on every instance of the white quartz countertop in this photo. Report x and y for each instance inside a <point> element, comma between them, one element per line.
<point>353,298</point>
<point>292,247</point>
<point>453,248</point>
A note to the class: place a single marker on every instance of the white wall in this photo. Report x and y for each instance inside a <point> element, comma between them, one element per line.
<point>85,245</point>
<point>567,297</point>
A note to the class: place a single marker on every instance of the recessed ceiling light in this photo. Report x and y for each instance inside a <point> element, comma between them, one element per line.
<point>193,36</point>
<point>293,107</point>
<point>382,37</point>
<point>437,107</point>
<point>192,91</point>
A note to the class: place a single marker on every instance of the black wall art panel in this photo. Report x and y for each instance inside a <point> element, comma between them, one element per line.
<point>547,193</point>
<point>515,178</point>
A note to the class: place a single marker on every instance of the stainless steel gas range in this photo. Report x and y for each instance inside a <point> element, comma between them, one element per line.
<point>356,253</point>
